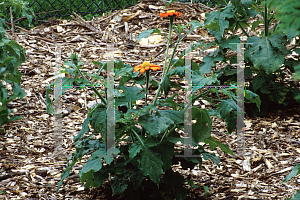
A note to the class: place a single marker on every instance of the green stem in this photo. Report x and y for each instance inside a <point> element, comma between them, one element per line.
<point>169,36</point>
<point>94,89</point>
<point>266,21</point>
<point>166,70</point>
<point>154,79</point>
<point>147,85</point>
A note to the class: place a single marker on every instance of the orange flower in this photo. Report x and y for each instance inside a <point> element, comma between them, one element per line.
<point>170,13</point>
<point>146,66</point>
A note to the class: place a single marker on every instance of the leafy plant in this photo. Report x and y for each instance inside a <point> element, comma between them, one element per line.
<point>12,55</point>
<point>145,137</point>
<point>265,62</point>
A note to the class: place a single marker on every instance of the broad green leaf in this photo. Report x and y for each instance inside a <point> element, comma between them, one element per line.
<point>226,106</point>
<point>151,165</point>
<point>88,179</point>
<point>160,123</point>
<point>200,80</point>
<point>216,21</point>
<point>167,153</point>
<point>131,94</point>
<point>119,184</point>
<point>213,144</point>
<point>230,43</point>
<point>287,12</point>
<point>175,116</point>
<point>267,54</point>
<point>211,156</point>
<point>202,128</point>
<point>98,121</point>
<point>253,98</point>
<point>134,150</point>
<point>147,33</point>
<point>259,81</point>
<point>95,165</point>
<point>84,129</point>
<point>231,122</point>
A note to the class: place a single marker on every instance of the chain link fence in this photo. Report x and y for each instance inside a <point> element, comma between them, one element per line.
<point>62,9</point>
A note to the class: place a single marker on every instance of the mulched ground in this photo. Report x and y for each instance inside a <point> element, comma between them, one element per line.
<point>30,170</point>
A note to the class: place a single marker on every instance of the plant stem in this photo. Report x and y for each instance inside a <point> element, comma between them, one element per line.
<point>147,85</point>
<point>166,57</point>
<point>168,43</point>
<point>94,89</point>
<point>266,21</point>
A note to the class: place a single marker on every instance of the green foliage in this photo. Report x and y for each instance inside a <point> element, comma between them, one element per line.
<point>144,154</point>
<point>88,8</point>
<point>12,55</point>
<point>20,8</point>
<point>265,56</point>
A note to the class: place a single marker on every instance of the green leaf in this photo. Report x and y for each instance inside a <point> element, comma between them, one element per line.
<point>202,128</point>
<point>175,116</point>
<point>200,80</point>
<point>216,21</point>
<point>165,85</point>
<point>213,144</point>
<point>254,98</point>
<point>267,54</point>
<point>160,123</point>
<point>94,165</point>
<point>167,153</point>
<point>119,184</point>
<point>230,42</point>
<point>147,33</point>
<point>134,150</point>
<point>294,172</point>
<point>151,165</point>
<point>226,106</point>
<point>211,156</point>
<point>287,12</point>
<point>259,81</point>
<point>98,121</point>
<point>130,94</point>
<point>231,122</point>
<point>64,175</point>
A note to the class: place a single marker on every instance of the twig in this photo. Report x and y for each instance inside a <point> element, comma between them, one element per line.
<point>108,17</point>
<point>84,23</point>
<point>23,29</point>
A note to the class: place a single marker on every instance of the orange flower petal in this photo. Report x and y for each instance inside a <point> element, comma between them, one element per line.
<point>155,68</point>
<point>142,70</point>
<point>146,66</point>
<point>170,13</point>
<point>137,68</point>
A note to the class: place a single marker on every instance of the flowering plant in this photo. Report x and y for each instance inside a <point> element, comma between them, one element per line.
<point>138,163</point>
